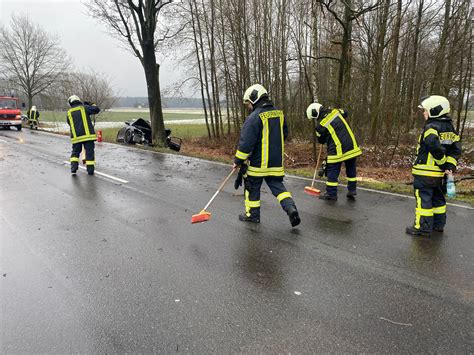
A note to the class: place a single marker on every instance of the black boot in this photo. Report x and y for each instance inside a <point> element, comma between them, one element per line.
<point>413,231</point>
<point>74,167</point>
<point>351,194</point>
<point>244,218</point>
<point>327,197</point>
<point>90,169</point>
<point>294,216</point>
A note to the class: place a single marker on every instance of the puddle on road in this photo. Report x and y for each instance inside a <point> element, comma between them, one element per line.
<point>334,224</point>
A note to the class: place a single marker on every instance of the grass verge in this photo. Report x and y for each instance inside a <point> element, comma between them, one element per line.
<point>117,116</point>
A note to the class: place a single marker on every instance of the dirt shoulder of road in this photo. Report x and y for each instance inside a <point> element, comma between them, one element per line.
<point>385,169</point>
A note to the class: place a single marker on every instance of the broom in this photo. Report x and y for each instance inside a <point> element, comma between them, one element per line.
<point>311,190</point>
<point>205,216</point>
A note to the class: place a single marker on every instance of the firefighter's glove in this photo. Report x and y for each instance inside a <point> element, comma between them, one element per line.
<point>323,169</point>
<point>241,175</point>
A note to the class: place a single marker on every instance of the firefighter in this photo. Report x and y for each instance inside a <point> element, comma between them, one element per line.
<point>262,144</point>
<point>332,129</point>
<point>33,117</point>
<point>439,148</point>
<point>82,132</point>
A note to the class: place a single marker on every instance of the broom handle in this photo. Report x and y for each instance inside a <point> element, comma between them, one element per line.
<point>220,188</point>
<point>317,164</point>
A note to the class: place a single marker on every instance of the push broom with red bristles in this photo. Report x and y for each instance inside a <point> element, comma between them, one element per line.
<point>311,190</point>
<point>204,215</point>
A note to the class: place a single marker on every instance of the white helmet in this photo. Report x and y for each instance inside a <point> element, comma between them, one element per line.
<point>436,105</point>
<point>313,110</point>
<point>73,98</point>
<point>254,93</point>
<point>33,108</point>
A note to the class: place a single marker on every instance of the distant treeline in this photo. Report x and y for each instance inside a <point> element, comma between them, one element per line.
<point>168,102</point>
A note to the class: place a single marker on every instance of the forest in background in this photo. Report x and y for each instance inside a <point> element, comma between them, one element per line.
<point>373,58</point>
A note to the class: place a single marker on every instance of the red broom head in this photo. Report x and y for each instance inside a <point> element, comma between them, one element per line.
<point>312,191</point>
<point>202,216</point>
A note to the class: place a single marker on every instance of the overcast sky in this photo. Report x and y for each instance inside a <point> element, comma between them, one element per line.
<point>87,43</point>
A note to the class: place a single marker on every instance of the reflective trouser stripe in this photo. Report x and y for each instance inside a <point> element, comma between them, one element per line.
<point>351,179</point>
<point>425,212</point>
<point>250,204</point>
<point>246,202</point>
<point>253,204</point>
<point>283,195</point>
<point>418,205</point>
<point>419,211</point>
<point>90,162</point>
<point>328,183</point>
<point>73,159</point>
<point>439,210</point>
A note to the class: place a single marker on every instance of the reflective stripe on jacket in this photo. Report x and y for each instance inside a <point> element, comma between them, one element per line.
<point>81,127</point>
<point>33,115</point>
<point>439,148</point>
<point>333,130</point>
<point>262,141</point>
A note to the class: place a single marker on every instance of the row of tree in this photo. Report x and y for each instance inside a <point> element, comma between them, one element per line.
<point>374,58</point>
<point>33,64</point>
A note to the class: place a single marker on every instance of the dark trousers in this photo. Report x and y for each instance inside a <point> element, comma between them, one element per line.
<point>33,122</point>
<point>252,194</point>
<point>430,212</point>
<point>90,156</point>
<point>334,169</point>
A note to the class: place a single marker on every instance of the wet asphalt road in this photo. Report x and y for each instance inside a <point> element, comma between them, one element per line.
<point>91,264</point>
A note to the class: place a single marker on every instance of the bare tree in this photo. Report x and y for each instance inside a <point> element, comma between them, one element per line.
<point>136,23</point>
<point>93,87</point>
<point>31,59</point>
<point>375,58</point>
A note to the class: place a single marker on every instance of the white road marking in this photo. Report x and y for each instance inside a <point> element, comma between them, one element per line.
<point>122,181</point>
<point>1,140</point>
<point>322,181</point>
<point>379,192</point>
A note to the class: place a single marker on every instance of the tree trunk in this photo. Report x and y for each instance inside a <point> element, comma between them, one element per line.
<point>392,110</point>
<point>375,106</point>
<point>438,76</point>
<point>151,69</point>
<point>345,62</point>
<point>414,66</point>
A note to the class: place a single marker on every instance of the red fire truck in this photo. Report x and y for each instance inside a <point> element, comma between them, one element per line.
<point>10,114</point>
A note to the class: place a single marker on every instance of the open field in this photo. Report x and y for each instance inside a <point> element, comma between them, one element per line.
<point>185,131</point>
<point>121,116</point>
